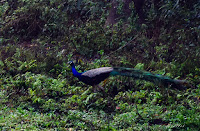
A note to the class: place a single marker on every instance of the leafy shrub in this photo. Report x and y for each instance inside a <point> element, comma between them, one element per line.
<point>38,92</point>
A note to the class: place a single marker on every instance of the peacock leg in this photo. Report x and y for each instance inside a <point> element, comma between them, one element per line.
<point>97,87</point>
<point>100,87</point>
<point>94,88</point>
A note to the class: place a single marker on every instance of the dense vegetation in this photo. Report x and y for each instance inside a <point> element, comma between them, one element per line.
<point>39,37</point>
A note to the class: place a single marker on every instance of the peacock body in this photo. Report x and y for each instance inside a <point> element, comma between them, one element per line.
<point>95,76</point>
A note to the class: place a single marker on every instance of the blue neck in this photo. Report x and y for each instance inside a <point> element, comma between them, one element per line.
<point>75,72</point>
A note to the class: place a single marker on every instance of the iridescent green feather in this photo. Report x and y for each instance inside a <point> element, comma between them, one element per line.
<point>143,75</point>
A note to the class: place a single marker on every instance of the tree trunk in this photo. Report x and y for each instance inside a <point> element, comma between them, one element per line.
<point>113,16</point>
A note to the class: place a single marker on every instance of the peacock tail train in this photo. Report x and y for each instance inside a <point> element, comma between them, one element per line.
<point>144,75</point>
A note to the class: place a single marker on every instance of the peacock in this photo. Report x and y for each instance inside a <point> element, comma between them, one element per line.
<point>94,76</point>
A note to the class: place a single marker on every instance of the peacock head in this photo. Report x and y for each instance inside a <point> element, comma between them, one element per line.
<point>71,63</point>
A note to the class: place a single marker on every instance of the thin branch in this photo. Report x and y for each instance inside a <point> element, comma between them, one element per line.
<point>122,46</point>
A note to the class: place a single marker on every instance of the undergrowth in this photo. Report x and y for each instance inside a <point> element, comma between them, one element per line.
<point>39,92</point>
<point>33,99</point>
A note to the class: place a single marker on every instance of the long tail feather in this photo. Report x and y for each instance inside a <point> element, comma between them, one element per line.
<point>143,75</point>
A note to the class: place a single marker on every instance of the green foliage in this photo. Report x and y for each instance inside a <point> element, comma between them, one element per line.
<point>38,91</point>
<point>38,101</point>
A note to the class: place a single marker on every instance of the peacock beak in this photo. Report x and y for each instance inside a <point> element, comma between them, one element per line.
<point>70,62</point>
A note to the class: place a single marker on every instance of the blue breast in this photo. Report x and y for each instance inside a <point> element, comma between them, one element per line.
<point>94,79</point>
<point>75,72</point>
